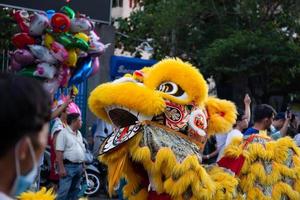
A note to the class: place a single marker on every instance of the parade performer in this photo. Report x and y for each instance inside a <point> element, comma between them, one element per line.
<point>266,169</point>
<point>163,116</point>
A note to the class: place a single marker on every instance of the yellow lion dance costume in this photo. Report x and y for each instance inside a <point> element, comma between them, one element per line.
<point>163,116</point>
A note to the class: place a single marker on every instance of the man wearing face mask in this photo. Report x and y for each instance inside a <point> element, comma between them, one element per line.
<point>25,113</point>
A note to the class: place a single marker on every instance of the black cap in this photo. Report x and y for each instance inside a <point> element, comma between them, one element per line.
<point>280,115</point>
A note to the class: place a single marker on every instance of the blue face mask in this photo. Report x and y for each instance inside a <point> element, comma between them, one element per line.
<point>23,182</point>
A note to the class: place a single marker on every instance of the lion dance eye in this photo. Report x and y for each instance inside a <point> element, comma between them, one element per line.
<point>172,89</point>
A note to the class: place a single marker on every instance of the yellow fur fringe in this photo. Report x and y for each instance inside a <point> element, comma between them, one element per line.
<point>178,177</point>
<point>127,94</point>
<point>222,115</point>
<point>253,171</point>
<point>43,194</point>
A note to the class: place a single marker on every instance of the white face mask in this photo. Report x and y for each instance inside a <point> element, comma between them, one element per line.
<point>23,182</point>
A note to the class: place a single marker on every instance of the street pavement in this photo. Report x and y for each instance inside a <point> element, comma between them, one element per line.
<point>101,197</point>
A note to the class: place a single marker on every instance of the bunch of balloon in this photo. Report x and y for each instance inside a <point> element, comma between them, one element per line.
<point>60,48</point>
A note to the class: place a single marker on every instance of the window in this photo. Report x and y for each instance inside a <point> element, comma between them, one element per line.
<point>117,3</point>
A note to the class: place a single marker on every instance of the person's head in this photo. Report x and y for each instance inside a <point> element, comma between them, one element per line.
<point>263,115</point>
<point>25,109</point>
<point>74,121</point>
<point>279,120</point>
<point>241,121</point>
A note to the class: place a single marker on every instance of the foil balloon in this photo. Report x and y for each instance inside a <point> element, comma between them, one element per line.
<point>97,48</point>
<point>64,39</point>
<point>21,17</point>
<point>68,11</point>
<point>81,25</point>
<point>94,36</point>
<point>71,42</point>
<point>95,66</point>
<point>21,58</point>
<point>82,36</point>
<point>52,85</point>
<point>50,14</point>
<point>27,71</point>
<point>72,58</point>
<point>21,40</point>
<point>81,54</point>
<point>60,23</point>
<point>66,74</point>
<point>83,72</point>
<point>80,44</point>
<point>14,65</point>
<point>42,54</point>
<point>38,23</point>
<point>45,70</point>
<point>48,40</point>
<point>58,51</point>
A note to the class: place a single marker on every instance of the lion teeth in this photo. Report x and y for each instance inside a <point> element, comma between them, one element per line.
<point>142,117</point>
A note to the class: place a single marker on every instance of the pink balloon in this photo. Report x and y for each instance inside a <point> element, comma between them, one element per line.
<point>21,58</point>
<point>24,56</point>
<point>93,36</point>
<point>45,70</point>
<point>81,25</point>
<point>59,51</point>
<point>97,48</point>
<point>66,74</point>
<point>14,65</point>
<point>95,66</point>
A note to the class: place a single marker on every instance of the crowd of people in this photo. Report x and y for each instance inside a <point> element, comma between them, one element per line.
<point>265,118</point>
<point>26,114</point>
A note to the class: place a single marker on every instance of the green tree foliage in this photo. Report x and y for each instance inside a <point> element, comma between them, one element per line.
<point>251,42</point>
<point>8,28</point>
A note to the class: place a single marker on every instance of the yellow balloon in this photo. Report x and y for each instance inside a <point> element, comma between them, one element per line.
<point>82,36</point>
<point>72,59</point>
<point>48,40</point>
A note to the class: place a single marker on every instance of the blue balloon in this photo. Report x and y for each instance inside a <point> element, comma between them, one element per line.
<point>83,71</point>
<point>50,13</point>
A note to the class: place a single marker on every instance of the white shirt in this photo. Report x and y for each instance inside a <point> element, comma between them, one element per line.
<point>4,196</point>
<point>221,140</point>
<point>229,136</point>
<point>71,144</point>
<point>232,134</point>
